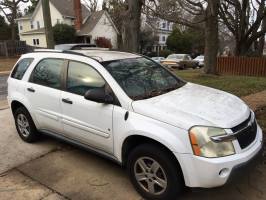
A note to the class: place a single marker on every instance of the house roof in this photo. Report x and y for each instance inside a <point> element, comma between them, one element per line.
<point>66,8</point>
<point>91,21</point>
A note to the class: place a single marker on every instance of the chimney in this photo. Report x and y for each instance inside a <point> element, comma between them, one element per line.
<point>78,14</point>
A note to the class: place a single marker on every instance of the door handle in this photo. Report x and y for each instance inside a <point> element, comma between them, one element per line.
<point>68,101</point>
<point>30,89</point>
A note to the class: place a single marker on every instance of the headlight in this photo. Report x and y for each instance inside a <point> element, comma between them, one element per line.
<point>202,145</point>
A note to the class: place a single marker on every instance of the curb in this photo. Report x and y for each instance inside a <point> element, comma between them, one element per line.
<point>5,73</point>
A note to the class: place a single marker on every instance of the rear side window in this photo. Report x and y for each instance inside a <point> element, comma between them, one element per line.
<point>48,73</point>
<point>21,68</point>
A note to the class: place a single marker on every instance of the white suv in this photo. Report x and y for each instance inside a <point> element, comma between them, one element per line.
<point>167,132</point>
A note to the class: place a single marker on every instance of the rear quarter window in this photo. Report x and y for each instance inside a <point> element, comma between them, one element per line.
<point>21,67</point>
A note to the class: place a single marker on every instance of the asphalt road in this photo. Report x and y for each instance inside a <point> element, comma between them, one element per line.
<point>3,86</point>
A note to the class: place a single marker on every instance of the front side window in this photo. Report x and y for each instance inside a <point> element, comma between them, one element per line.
<point>82,77</point>
<point>21,68</point>
<point>142,78</point>
<point>48,73</point>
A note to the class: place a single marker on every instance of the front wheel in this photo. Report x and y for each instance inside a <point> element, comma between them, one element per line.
<point>154,173</point>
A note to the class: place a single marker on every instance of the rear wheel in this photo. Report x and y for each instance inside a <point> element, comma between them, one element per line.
<point>154,173</point>
<point>25,125</point>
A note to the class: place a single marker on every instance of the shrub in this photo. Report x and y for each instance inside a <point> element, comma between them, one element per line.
<point>64,33</point>
<point>103,42</point>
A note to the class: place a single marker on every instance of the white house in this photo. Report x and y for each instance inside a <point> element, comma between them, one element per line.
<point>163,30</point>
<point>160,28</point>
<point>91,25</point>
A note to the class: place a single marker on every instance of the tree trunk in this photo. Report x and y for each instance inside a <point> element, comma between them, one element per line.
<point>211,37</point>
<point>13,31</point>
<point>262,39</point>
<point>131,26</point>
<point>48,24</point>
<point>13,23</point>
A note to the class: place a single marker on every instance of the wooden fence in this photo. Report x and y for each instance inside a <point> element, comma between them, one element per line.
<point>10,48</point>
<point>246,66</point>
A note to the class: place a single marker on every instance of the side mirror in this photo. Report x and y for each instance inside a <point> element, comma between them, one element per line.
<point>98,95</point>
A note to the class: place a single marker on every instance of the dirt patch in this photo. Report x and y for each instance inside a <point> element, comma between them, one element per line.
<point>261,117</point>
<point>256,101</point>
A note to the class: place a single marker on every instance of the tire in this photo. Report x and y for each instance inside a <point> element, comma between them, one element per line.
<point>25,126</point>
<point>167,169</point>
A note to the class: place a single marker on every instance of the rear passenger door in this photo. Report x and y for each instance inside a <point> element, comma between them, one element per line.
<point>84,120</point>
<point>44,93</point>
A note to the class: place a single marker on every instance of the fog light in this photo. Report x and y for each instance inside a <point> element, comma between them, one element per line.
<point>224,172</point>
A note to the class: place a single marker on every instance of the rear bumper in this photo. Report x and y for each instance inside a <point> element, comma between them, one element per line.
<point>202,172</point>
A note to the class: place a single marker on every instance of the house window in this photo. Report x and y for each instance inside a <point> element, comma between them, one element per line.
<point>38,25</point>
<point>31,25</point>
<point>36,42</point>
<point>163,38</point>
<point>20,27</point>
<point>164,25</point>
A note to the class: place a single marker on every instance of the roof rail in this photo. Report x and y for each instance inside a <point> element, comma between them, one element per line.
<point>64,51</point>
<point>47,50</point>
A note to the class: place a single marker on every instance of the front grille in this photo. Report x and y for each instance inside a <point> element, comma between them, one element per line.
<point>246,132</point>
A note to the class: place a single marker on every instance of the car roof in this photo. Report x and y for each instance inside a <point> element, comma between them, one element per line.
<point>178,54</point>
<point>70,46</point>
<point>101,55</point>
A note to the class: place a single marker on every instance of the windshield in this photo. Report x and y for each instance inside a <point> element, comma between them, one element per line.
<point>142,78</point>
<point>176,56</point>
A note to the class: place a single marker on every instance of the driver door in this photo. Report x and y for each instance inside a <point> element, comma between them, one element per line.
<point>83,120</point>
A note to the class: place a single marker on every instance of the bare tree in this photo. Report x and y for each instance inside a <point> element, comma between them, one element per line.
<point>131,25</point>
<point>91,5</point>
<point>198,14</point>
<point>114,8</point>
<point>244,19</point>
<point>262,38</point>
<point>10,9</point>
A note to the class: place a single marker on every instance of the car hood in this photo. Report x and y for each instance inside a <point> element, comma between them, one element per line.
<point>193,105</point>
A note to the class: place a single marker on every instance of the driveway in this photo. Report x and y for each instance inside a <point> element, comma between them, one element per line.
<point>3,87</point>
<point>52,170</point>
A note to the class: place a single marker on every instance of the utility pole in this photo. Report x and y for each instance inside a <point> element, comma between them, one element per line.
<point>48,24</point>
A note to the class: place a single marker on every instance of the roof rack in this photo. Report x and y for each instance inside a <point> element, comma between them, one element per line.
<point>63,51</point>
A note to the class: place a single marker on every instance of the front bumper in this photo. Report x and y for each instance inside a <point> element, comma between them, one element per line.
<point>202,172</point>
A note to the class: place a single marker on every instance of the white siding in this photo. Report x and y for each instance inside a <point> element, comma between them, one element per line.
<point>29,39</point>
<point>55,16</point>
<point>104,28</point>
<point>25,26</point>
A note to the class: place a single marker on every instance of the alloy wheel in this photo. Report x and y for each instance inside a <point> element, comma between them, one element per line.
<point>150,175</point>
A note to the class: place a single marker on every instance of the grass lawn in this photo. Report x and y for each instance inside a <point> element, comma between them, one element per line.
<point>6,64</point>
<point>238,85</point>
